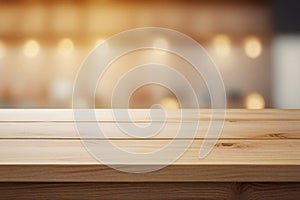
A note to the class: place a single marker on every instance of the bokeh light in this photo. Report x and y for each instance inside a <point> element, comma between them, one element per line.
<point>104,44</point>
<point>31,48</point>
<point>169,103</point>
<point>222,44</point>
<point>99,41</point>
<point>255,101</point>
<point>161,43</point>
<point>252,47</point>
<point>65,46</point>
<point>60,91</point>
<point>2,50</point>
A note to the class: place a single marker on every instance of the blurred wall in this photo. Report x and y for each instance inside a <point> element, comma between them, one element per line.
<point>286,55</point>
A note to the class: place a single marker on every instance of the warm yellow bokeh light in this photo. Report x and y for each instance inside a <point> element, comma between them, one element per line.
<point>255,101</point>
<point>65,46</point>
<point>99,41</point>
<point>161,43</point>
<point>103,43</point>
<point>169,103</point>
<point>60,90</point>
<point>222,45</point>
<point>31,48</point>
<point>253,47</point>
<point>2,50</point>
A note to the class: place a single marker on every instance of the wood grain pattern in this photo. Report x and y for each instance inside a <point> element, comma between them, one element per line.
<point>172,173</point>
<point>140,115</point>
<point>256,157</point>
<point>253,191</point>
<point>231,130</point>
<point>127,190</point>
<point>166,190</point>
<point>234,152</point>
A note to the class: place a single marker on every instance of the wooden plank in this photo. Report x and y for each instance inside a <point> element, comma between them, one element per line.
<point>256,191</point>
<point>171,173</point>
<point>230,152</point>
<point>128,190</point>
<point>119,190</point>
<point>231,130</point>
<point>139,115</point>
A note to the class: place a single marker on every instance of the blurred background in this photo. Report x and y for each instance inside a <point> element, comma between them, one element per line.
<point>254,43</point>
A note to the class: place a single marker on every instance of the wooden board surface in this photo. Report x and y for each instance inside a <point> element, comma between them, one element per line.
<point>171,173</point>
<point>255,145</point>
<point>225,152</point>
<point>130,190</point>
<point>140,115</point>
<point>231,130</point>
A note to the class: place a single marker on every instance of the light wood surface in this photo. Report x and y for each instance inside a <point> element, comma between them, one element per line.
<point>231,130</point>
<point>225,152</point>
<point>249,137</point>
<point>42,151</point>
<point>140,115</point>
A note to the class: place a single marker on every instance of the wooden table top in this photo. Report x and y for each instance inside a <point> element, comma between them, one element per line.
<point>255,145</point>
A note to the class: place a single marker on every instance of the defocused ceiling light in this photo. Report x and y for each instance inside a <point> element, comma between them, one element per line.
<point>222,44</point>
<point>253,47</point>
<point>60,91</point>
<point>255,101</point>
<point>99,41</point>
<point>31,48</point>
<point>160,43</point>
<point>65,46</point>
<point>104,44</point>
<point>2,50</point>
<point>169,103</point>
